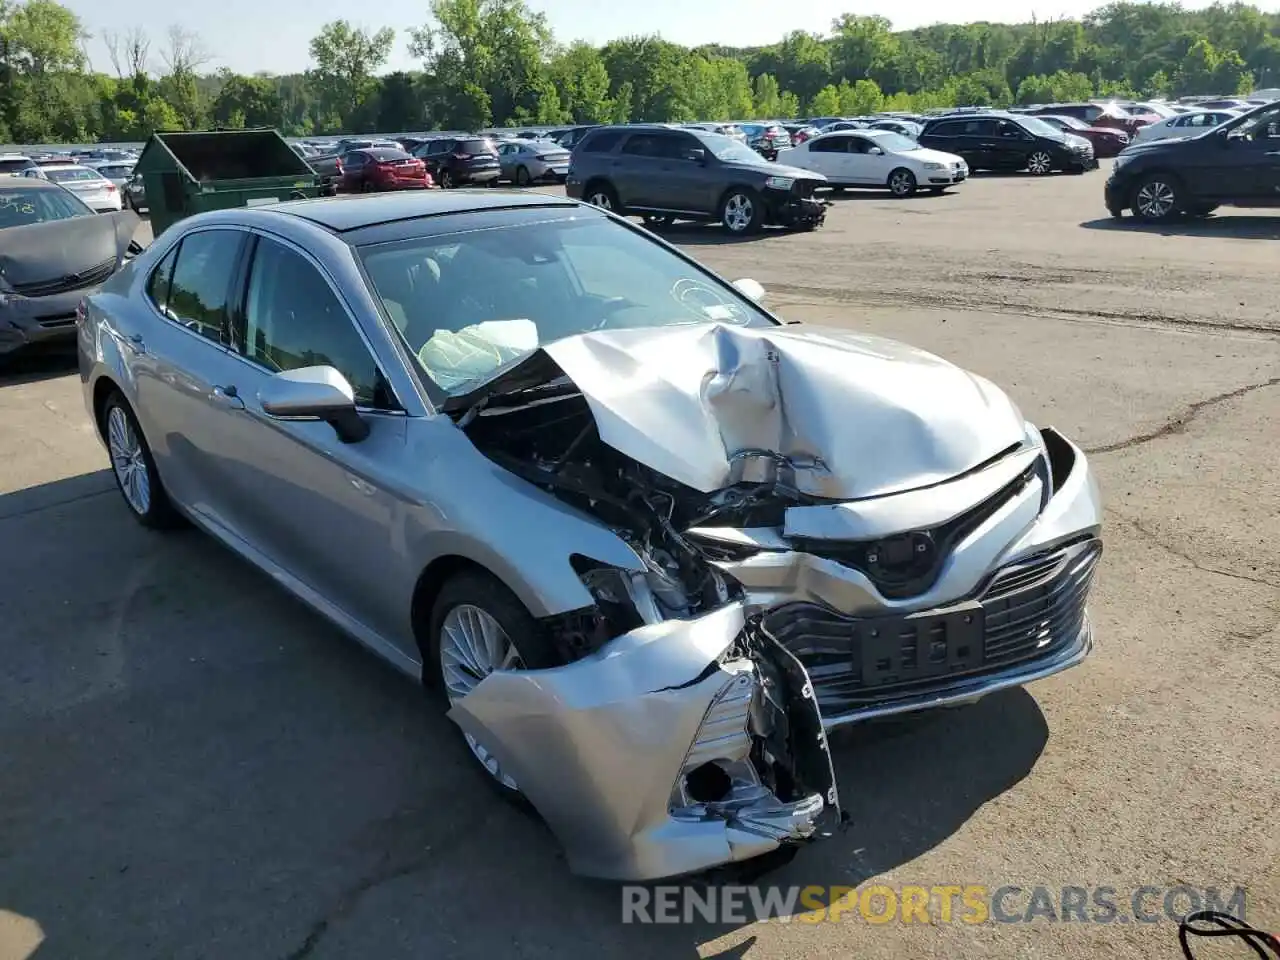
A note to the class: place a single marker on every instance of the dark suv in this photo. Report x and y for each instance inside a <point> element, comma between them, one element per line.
<point>1237,163</point>
<point>457,160</point>
<point>997,141</point>
<point>666,174</point>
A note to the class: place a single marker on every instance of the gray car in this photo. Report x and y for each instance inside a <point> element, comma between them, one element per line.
<point>533,161</point>
<point>665,173</point>
<point>645,543</point>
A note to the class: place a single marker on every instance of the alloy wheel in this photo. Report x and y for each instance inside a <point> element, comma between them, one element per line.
<point>601,199</point>
<point>522,177</point>
<point>739,211</point>
<point>900,183</point>
<point>446,180</point>
<point>128,461</point>
<point>1039,163</point>
<point>1155,199</point>
<point>473,645</point>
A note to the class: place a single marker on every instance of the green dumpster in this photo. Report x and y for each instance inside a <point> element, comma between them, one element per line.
<point>186,173</point>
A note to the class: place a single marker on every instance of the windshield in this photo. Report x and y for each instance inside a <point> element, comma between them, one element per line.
<point>69,174</point>
<point>896,143</point>
<point>730,150</point>
<point>120,172</point>
<point>1038,127</point>
<point>467,304</point>
<point>24,206</point>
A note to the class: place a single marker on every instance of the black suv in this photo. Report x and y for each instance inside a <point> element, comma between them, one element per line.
<point>998,141</point>
<point>456,160</point>
<point>1237,163</point>
<point>666,174</point>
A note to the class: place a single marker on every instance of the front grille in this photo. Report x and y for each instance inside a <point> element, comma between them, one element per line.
<point>1030,610</point>
<point>86,278</point>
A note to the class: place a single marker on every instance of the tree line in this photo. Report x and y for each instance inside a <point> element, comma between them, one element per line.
<point>495,62</point>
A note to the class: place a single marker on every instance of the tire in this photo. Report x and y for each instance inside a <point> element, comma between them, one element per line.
<point>446,179</point>
<point>522,176</point>
<point>1157,198</point>
<point>901,182</point>
<point>1040,164</point>
<point>134,468</point>
<point>600,194</point>
<point>366,187</point>
<point>463,598</point>
<point>741,211</point>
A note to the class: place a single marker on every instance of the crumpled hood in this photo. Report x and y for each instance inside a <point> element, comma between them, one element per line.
<point>38,252</point>
<point>852,415</point>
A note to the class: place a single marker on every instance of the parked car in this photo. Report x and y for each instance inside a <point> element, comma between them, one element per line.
<point>908,128</point>
<point>730,130</point>
<point>1224,103</point>
<point>1185,125</point>
<point>995,141</point>
<point>1107,141</point>
<point>381,168</point>
<point>571,137</point>
<point>457,161</point>
<point>800,132</point>
<point>766,139</point>
<point>642,598</point>
<point>53,251</point>
<point>88,184</point>
<point>1235,163</point>
<point>663,174</point>
<point>133,195</point>
<point>117,171</point>
<point>15,163</point>
<point>533,161</point>
<point>876,158</point>
<point>1098,115</point>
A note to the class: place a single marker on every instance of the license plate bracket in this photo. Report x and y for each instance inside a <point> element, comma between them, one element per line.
<point>920,646</point>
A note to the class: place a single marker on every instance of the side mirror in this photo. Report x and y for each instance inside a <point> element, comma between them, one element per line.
<point>752,289</point>
<point>696,154</point>
<point>314,393</point>
<point>876,152</point>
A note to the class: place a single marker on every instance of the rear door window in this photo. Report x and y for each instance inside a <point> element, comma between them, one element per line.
<point>643,145</point>
<point>601,141</point>
<point>829,145</point>
<point>201,283</point>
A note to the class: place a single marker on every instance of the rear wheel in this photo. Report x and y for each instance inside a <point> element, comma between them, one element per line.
<point>1157,198</point>
<point>446,179</point>
<point>479,626</point>
<point>522,176</point>
<point>1040,163</point>
<point>741,211</point>
<point>603,196</point>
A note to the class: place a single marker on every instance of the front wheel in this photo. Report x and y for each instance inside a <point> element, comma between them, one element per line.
<point>1040,163</point>
<point>741,211</point>
<point>902,182</point>
<point>1157,199</point>
<point>603,196</point>
<point>446,180</point>
<point>474,625</point>
<point>522,176</point>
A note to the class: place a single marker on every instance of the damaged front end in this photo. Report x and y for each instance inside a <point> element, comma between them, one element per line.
<point>677,747</point>
<point>825,528</point>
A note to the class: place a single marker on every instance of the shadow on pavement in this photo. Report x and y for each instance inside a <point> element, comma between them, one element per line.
<point>33,364</point>
<point>1238,227</point>
<point>193,764</point>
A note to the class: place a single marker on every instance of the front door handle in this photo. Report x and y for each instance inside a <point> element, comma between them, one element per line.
<point>227,398</point>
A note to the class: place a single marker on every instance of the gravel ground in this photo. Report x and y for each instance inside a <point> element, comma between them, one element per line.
<point>193,765</point>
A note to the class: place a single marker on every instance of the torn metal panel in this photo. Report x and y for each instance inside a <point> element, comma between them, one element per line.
<point>841,415</point>
<point>598,747</point>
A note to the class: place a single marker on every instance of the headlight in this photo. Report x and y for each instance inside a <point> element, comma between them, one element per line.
<point>935,166</point>
<point>779,183</point>
<point>623,597</point>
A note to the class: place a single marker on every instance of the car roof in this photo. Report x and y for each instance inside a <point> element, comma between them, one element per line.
<point>342,214</point>
<point>27,183</point>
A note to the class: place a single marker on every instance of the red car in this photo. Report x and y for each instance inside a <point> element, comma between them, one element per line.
<point>1109,115</point>
<point>375,169</point>
<point>1107,141</point>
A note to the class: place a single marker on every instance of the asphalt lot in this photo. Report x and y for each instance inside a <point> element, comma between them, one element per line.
<point>194,765</point>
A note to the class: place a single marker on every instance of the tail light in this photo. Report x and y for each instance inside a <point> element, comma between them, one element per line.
<point>337,165</point>
<point>111,188</point>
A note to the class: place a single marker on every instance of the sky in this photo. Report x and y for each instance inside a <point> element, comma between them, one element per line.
<point>251,35</point>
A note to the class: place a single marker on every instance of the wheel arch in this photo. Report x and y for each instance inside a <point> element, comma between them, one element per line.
<point>427,588</point>
<point>103,387</point>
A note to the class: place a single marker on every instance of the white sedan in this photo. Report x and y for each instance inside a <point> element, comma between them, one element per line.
<point>99,193</point>
<point>877,158</point>
<point>1184,125</point>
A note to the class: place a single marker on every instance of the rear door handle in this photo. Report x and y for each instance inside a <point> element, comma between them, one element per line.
<point>227,398</point>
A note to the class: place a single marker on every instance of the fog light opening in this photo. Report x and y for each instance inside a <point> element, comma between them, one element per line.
<point>707,783</point>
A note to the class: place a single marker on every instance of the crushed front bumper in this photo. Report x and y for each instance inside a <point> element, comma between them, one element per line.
<point>30,321</point>
<point>795,208</point>
<point>604,748</point>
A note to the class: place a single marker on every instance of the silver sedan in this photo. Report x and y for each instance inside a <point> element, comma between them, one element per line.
<point>643,542</point>
<point>533,161</point>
